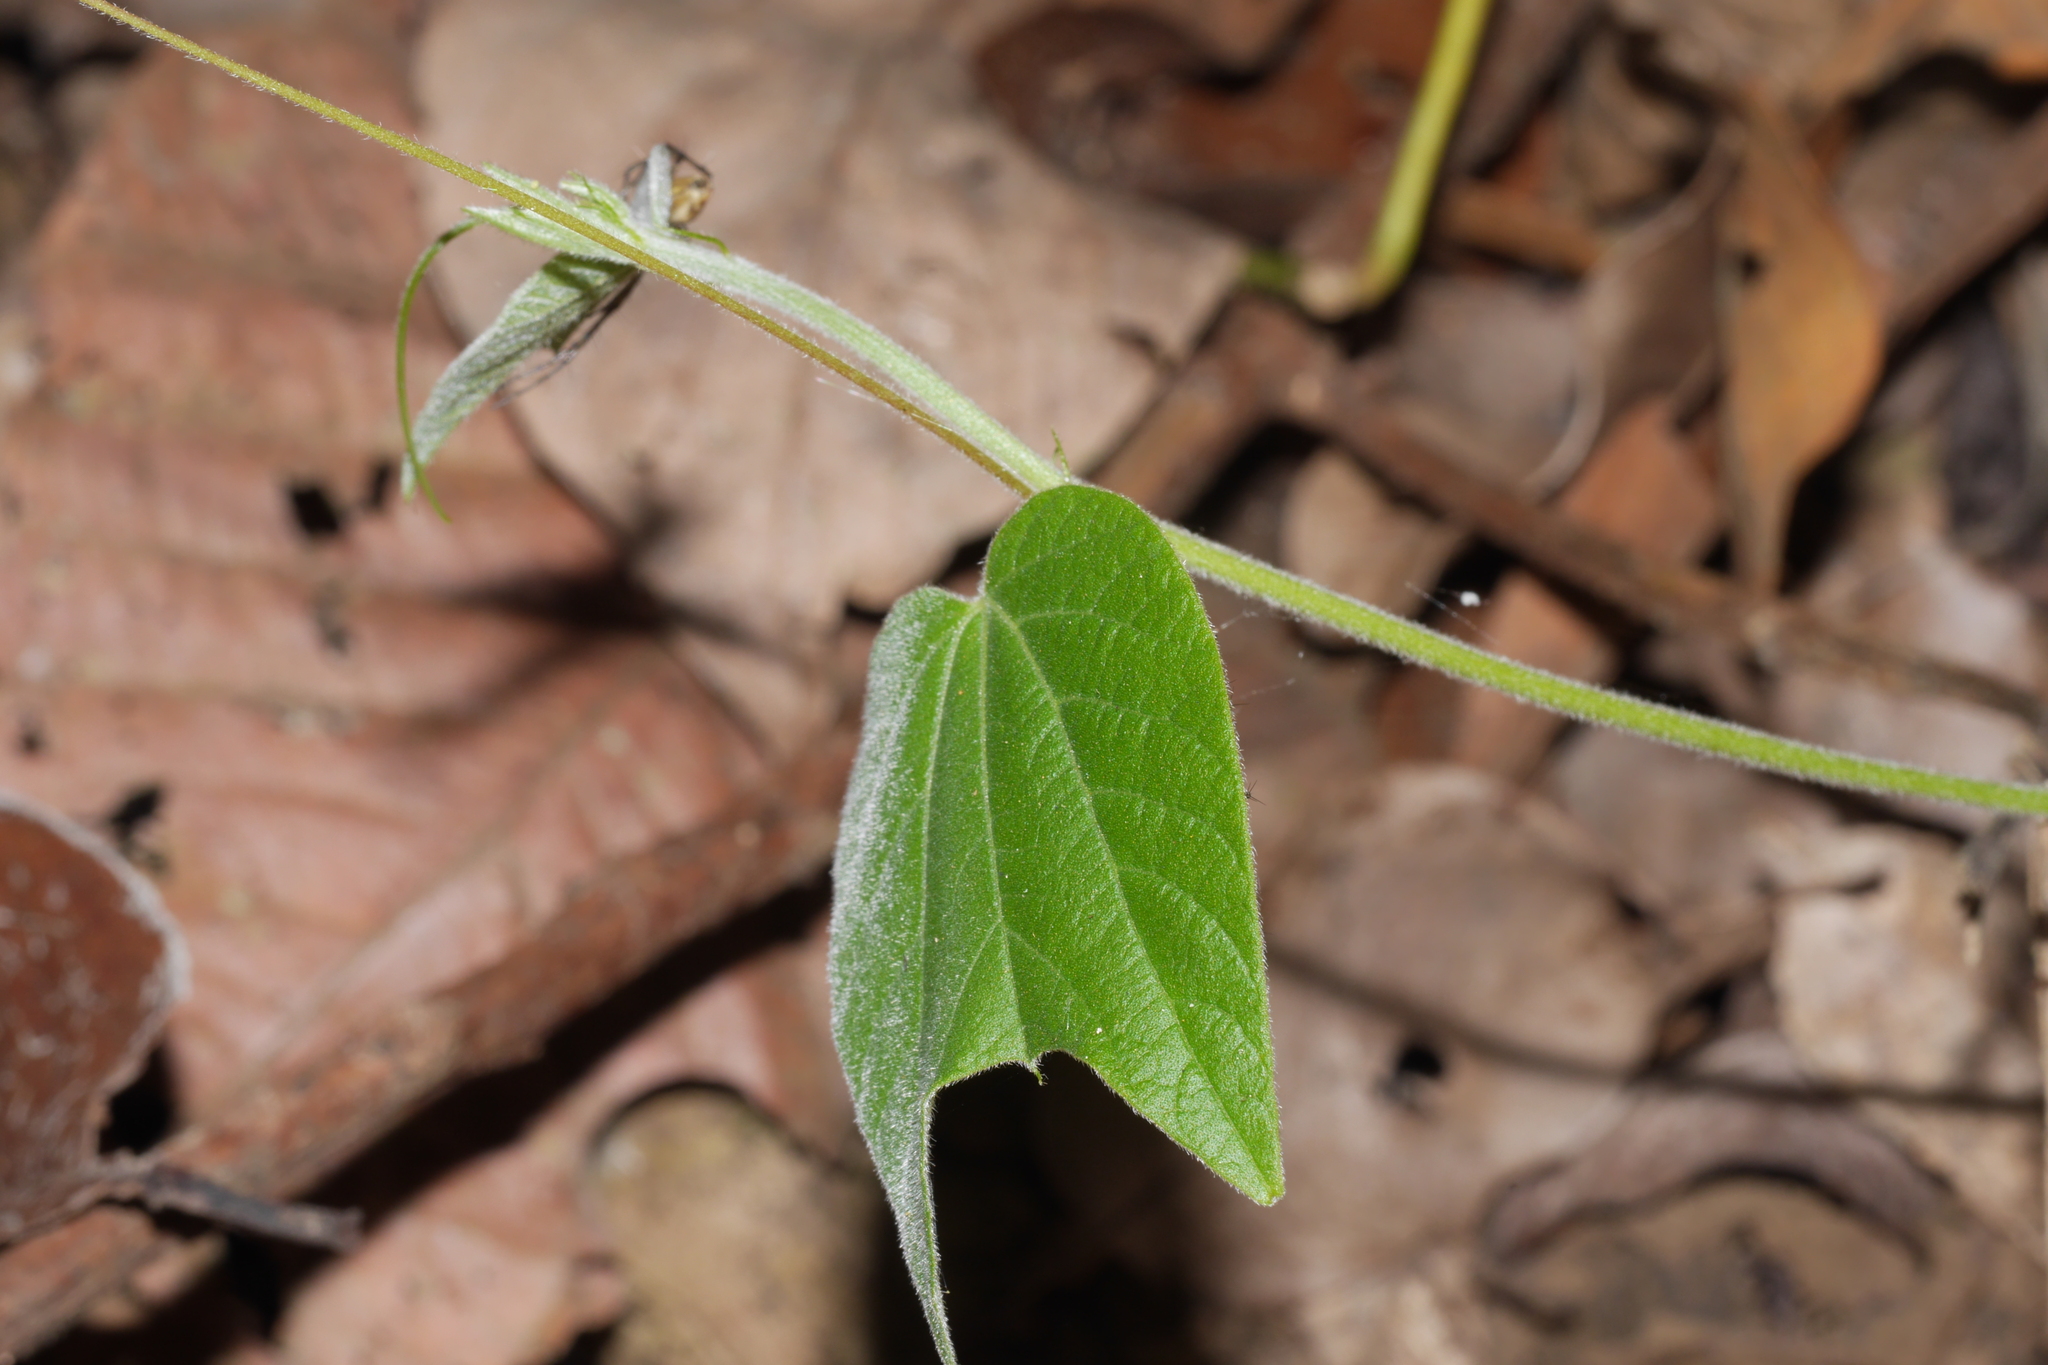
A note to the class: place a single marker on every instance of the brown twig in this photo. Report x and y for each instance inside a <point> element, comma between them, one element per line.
<point>1519,227</point>
<point>280,1136</point>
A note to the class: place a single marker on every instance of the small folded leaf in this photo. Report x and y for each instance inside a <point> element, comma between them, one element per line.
<point>560,306</point>
<point>543,313</point>
<point>1045,848</point>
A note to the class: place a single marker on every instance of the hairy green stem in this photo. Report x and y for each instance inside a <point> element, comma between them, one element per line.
<point>415,475</point>
<point>1007,471</point>
<point>884,369</point>
<point>1582,701</point>
<point>1405,209</point>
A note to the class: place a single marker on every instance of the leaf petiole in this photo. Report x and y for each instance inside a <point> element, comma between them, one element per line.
<point>415,467</point>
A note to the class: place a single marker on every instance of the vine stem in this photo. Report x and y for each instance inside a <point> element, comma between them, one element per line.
<point>1405,209</point>
<point>514,194</point>
<point>1581,701</point>
<point>895,377</point>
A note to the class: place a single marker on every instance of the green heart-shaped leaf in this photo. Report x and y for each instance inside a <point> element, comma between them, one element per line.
<point>1045,848</point>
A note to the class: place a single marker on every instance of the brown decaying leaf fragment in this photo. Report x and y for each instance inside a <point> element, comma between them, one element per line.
<point>1801,334</point>
<point>2008,36</point>
<point>1526,42</point>
<point>389,743</point>
<point>1728,46</point>
<point>1982,220</point>
<point>1524,943</point>
<point>90,966</point>
<point>1646,317</point>
<point>393,746</point>
<point>1750,1269</point>
<point>1237,34</point>
<point>1120,98</point>
<point>287,1128</point>
<point>1673,1134</point>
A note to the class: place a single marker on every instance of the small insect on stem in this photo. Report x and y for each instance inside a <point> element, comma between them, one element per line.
<point>689,186</point>
<point>674,194</point>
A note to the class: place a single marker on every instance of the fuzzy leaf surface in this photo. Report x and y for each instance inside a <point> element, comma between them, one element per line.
<point>1045,848</point>
<point>542,314</point>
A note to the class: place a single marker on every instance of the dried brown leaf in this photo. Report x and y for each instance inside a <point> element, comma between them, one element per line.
<point>1671,1137</point>
<point>1877,990</point>
<point>1491,358</point>
<point>1901,187</point>
<point>385,745</point>
<point>1122,99</point>
<point>1693,840</point>
<point>1526,42</point>
<point>1450,894</point>
<point>1801,336</point>
<point>1734,46</point>
<point>1395,1135</point>
<point>1624,139</point>
<point>1235,33</point>
<point>1744,1269</point>
<point>1647,315</point>
<point>2008,36</point>
<point>90,966</point>
<point>1871,974</point>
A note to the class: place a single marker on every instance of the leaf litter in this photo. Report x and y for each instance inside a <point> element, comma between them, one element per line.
<point>1540,1014</point>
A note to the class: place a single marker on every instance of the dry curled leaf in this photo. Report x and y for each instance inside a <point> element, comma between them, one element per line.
<point>90,966</point>
<point>1731,46</point>
<point>1526,42</point>
<point>1490,358</point>
<point>1671,1136</point>
<point>1445,891</point>
<point>1125,99</point>
<point>1624,138</point>
<point>1236,33</point>
<point>1646,319</point>
<point>1876,990</point>
<point>1693,839</point>
<point>381,746</point>
<point>1395,1134</point>
<point>1801,336</point>
<point>1746,1269</point>
<point>1904,190</point>
<point>852,152</point>
<point>2008,36</point>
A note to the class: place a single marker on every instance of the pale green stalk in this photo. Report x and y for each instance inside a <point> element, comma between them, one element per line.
<point>417,476</point>
<point>597,227</point>
<point>1405,209</point>
<point>1581,701</point>
<point>1026,476</point>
